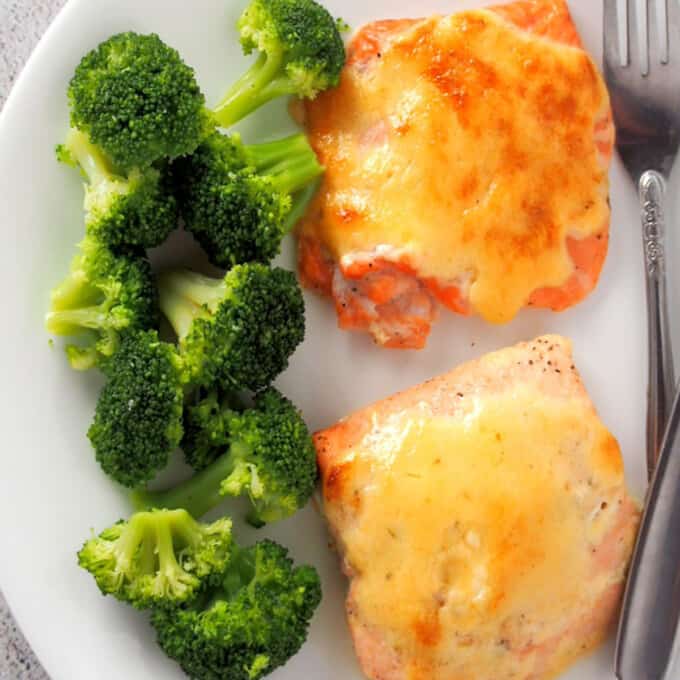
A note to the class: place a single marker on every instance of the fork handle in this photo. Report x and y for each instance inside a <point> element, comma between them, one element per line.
<point>661,374</point>
<point>651,605</point>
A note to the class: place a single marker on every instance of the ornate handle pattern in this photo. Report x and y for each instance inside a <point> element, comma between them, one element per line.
<point>652,187</point>
<point>661,384</point>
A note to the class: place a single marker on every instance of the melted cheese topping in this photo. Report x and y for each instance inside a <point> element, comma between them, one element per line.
<point>475,535</point>
<point>468,145</point>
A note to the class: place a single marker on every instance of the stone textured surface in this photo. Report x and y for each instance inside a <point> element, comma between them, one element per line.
<point>17,661</point>
<point>22,23</point>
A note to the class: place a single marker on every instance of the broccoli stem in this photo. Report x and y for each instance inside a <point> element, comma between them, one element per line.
<point>75,321</point>
<point>130,542</point>
<point>197,288</point>
<point>169,568</point>
<point>197,495</point>
<point>81,358</point>
<point>179,311</point>
<point>268,154</point>
<point>75,292</point>
<point>146,564</point>
<point>187,530</point>
<point>186,296</point>
<point>301,201</point>
<point>290,163</point>
<point>149,543</point>
<point>262,82</point>
<point>76,307</point>
<point>294,174</point>
<point>91,160</point>
<point>155,536</point>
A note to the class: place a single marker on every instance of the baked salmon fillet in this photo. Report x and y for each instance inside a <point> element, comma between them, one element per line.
<point>466,165</point>
<point>483,521</point>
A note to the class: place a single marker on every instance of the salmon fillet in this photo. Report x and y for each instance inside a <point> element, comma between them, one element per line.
<point>402,224</point>
<point>483,521</point>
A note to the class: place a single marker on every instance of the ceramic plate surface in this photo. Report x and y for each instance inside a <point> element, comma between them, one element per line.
<point>52,493</point>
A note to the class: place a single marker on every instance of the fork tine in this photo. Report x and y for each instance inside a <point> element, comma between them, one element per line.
<point>615,32</point>
<point>638,12</point>
<point>673,18</point>
<point>658,43</point>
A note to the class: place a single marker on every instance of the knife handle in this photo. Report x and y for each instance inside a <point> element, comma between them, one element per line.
<point>651,605</point>
<point>661,374</point>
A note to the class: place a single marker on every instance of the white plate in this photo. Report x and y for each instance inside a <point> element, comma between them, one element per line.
<point>51,490</point>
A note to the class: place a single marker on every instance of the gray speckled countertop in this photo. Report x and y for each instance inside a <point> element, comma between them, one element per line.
<point>22,23</point>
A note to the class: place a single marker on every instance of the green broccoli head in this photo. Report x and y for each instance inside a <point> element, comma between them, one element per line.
<point>301,53</point>
<point>236,199</point>
<point>264,452</point>
<point>205,428</point>
<point>136,210</point>
<point>254,622</point>
<point>273,457</point>
<point>138,419</point>
<point>159,558</point>
<point>234,213</point>
<point>238,331</point>
<point>105,296</point>
<point>136,99</point>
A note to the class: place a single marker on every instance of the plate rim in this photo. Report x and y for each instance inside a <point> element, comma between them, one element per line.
<point>40,651</point>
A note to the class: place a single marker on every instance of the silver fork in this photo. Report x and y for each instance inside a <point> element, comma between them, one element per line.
<point>642,69</point>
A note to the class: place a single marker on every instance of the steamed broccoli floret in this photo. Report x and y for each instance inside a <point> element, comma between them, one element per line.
<point>236,199</point>
<point>250,624</point>
<point>301,53</point>
<point>265,452</point>
<point>105,296</point>
<point>134,210</point>
<point>158,558</point>
<point>138,420</point>
<point>238,331</point>
<point>136,99</point>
